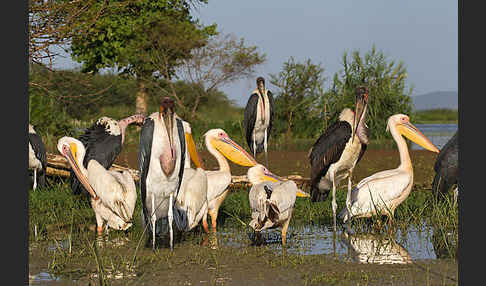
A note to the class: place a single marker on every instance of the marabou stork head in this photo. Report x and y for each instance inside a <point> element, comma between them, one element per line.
<point>260,81</point>
<point>167,114</point>
<point>361,104</point>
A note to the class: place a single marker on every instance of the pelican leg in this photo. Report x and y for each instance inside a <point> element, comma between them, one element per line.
<point>214,216</point>
<point>334,204</point>
<point>99,225</point>
<point>171,218</point>
<point>154,218</point>
<point>284,230</point>
<point>205,223</point>
<point>265,146</point>
<point>35,179</point>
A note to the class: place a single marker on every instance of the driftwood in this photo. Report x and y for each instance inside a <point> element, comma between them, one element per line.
<point>57,165</point>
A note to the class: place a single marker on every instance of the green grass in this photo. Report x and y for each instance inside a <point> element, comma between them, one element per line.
<point>436,116</point>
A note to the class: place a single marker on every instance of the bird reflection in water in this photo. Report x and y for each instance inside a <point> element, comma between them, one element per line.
<point>379,249</point>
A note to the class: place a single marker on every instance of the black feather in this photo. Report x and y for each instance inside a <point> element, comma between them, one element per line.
<point>40,153</point>
<point>249,118</point>
<point>326,151</point>
<point>446,167</point>
<point>100,146</point>
<point>144,153</point>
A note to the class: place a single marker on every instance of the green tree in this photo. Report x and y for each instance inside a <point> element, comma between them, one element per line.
<point>385,79</point>
<point>300,85</point>
<point>127,33</point>
<point>223,60</point>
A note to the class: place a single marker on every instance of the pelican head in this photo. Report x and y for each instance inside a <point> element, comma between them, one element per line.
<point>73,150</point>
<point>259,174</point>
<point>401,123</point>
<point>167,114</point>
<point>218,139</point>
<point>361,105</point>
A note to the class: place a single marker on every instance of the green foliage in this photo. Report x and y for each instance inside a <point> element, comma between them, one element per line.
<point>117,35</point>
<point>440,115</point>
<point>300,86</point>
<point>385,80</point>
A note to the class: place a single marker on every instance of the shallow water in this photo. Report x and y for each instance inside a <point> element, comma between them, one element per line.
<point>438,134</point>
<point>411,245</point>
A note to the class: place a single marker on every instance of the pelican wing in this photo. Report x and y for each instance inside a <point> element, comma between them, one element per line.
<point>191,202</point>
<point>257,198</point>
<point>111,189</point>
<point>144,152</point>
<point>250,118</point>
<point>283,195</point>
<point>218,182</point>
<point>378,190</point>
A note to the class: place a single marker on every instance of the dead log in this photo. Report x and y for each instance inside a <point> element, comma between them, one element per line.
<point>57,165</point>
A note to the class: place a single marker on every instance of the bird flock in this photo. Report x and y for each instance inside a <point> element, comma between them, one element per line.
<point>174,194</point>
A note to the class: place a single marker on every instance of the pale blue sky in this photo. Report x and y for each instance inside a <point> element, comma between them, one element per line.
<point>422,34</point>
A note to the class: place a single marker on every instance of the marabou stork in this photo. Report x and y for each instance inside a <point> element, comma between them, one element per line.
<point>447,168</point>
<point>162,162</point>
<point>113,194</point>
<point>258,119</point>
<point>382,192</point>
<point>336,152</point>
<point>37,158</point>
<point>103,142</point>
<point>271,200</point>
<point>221,146</point>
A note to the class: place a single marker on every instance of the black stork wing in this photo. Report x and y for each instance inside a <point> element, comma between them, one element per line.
<point>328,149</point>
<point>270,100</point>
<point>39,148</point>
<point>250,118</point>
<point>40,152</point>
<point>446,167</point>
<point>144,152</point>
<point>100,146</point>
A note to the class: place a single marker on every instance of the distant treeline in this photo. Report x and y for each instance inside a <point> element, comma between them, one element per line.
<point>439,115</point>
<point>64,102</point>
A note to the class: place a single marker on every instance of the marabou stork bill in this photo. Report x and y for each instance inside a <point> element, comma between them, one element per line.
<point>258,119</point>
<point>446,168</point>
<point>162,161</point>
<point>103,142</point>
<point>271,200</point>
<point>37,158</point>
<point>113,194</point>
<point>221,146</point>
<point>336,152</point>
<point>382,192</point>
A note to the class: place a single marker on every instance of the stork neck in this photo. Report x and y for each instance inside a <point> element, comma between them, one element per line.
<point>222,162</point>
<point>405,162</point>
<point>123,123</point>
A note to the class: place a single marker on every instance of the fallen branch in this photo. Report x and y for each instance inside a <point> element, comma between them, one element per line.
<point>57,165</point>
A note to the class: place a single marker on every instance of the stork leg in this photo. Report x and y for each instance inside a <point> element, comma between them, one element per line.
<point>254,144</point>
<point>171,218</point>
<point>35,178</point>
<point>265,146</point>
<point>334,204</point>
<point>154,218</point>
<point>456,192</point>
<point>348,196</point>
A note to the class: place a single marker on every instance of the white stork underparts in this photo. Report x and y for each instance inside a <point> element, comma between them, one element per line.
<point>382,192</point>
<point>37,158</point>
<point>103,142</point>
<point>221,146</point>
<point>376,249</point>
<point>337,151</point>
<point>166,181</point>
<point>258,119</point>
<point>271,200</point>
<point>113,194</point>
